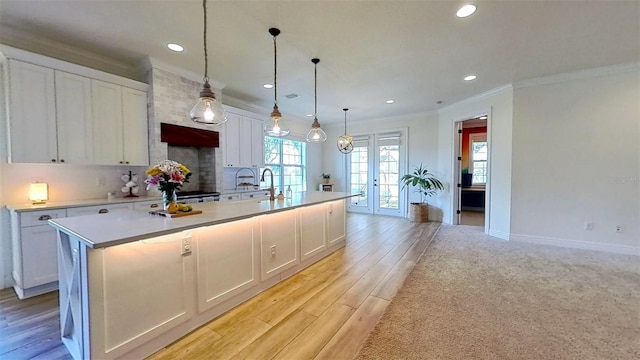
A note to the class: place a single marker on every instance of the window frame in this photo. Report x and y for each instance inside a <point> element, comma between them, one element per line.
<point>475,138</point>
<point>280,183</point>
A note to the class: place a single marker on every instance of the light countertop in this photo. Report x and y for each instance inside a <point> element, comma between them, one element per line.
<point>104,230</point>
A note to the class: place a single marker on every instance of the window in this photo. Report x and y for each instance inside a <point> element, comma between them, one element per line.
<point>287,159</point>
<point>478,164</point>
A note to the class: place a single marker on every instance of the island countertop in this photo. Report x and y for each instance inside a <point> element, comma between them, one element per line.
<point>105,230</point>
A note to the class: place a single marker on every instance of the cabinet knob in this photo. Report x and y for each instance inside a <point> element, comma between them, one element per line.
<point>53,160</point>
<point>44,217</point>
<point>154,205</point>
<point>230,198</point>
<point>251,195</point>
<point>61,160</point>
<point>120,162</point>
<point>126,162</point>
<point>103,211</point>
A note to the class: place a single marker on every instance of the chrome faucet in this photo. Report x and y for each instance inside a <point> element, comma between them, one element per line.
<point>272,190</point>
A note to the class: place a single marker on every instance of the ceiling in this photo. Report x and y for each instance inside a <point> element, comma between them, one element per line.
<point>415,52</point>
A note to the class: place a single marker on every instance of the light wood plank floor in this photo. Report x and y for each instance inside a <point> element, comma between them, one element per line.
<point>325,311</point>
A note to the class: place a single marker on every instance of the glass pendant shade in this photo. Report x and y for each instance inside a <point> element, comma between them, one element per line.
<point>208,109</point>
<point>345,142</point>
<point>275,129</point>
<point>316,134</point>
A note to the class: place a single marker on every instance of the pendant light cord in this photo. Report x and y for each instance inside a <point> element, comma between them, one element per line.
<point>275,71</point>
<point>345,121</point>
<point>204,6</point>
<point>315,90</point>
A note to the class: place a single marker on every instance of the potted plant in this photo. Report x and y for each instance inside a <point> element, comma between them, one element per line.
<point>427,185</point>
<point>326,178</point>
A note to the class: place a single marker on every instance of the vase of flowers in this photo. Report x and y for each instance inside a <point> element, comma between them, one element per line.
<point>168,176</point>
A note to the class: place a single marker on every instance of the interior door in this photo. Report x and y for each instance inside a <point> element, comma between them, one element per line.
<point>374,167</point>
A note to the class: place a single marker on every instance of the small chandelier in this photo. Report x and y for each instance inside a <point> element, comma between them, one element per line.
<point>316,134</point>
<point>276,130</point>
<point>208,109</point>
<point>345,142</point>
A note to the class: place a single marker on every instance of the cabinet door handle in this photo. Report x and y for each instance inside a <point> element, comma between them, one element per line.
<point>61,160</point>
<point>154,205</point>
<point>230,198</point>
<point>53,160</point>
<point>44,217</point>
<point>103,211</point>
<point>120,162</point>
<point>126,162</point>
<point>251,195</point>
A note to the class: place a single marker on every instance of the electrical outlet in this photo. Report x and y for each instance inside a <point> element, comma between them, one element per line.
<point>273,250</point>
<point>618,229</point>
<point>186,246</point>
<point>588,225</point>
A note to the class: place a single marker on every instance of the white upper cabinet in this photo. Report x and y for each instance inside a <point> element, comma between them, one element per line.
<point>73,113</point>
<point>32,114</point>
<point>119,125</point>
<point>65,113</point>
<point>243,139</point>
<point>134,126</point>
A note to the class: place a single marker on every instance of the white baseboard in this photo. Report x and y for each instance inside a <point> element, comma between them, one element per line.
<point>499,234</point>
<point>576,244</point>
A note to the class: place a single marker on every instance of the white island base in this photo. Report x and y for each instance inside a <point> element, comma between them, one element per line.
<point>131,296</point>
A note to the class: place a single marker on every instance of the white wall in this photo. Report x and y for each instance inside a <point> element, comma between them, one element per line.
<point>498,105</point>
<point>576,158</point>
<point>422,148</point>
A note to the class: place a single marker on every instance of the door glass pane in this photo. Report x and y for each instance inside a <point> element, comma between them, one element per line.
<point>359,176</point>
<point>389,166</point>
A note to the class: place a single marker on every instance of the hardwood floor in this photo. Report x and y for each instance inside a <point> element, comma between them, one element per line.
<point>325,311</point>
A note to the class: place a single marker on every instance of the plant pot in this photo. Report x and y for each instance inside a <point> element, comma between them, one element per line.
<point>419,212</point>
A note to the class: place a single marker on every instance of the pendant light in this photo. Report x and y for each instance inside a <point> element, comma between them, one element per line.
<point>316,134</point>
<point>345,142</point>
<point>275,129</point>
<point>208,109</point>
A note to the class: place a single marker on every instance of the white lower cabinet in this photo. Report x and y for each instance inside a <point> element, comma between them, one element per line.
<point>148,280</point>
<point>259,195</point>
<point>35,269</point>
<point>227,262</point>
<point>313,238</point>
<point>99,209</point>
<point>230,197</point>
<point>278,243</point>
<point>336,222</point>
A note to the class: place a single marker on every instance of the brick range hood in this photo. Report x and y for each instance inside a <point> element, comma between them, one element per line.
<point>196,149</point>
<point>176,135</point>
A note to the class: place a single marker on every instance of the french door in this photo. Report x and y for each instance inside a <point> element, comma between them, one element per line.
<point>374,168</point>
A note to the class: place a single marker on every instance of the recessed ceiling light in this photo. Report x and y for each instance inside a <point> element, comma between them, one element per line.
<point>470,77</point>
<point>390,101</point>
<point>268,86</point>
<point>175,47</point>
<point>309,115</point>
<point>466,11</point>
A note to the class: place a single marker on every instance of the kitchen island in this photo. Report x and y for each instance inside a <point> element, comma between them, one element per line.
<point>132,283</point>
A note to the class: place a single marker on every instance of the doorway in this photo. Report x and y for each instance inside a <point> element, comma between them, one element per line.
<point>473,171</point>
<point>373,169</point>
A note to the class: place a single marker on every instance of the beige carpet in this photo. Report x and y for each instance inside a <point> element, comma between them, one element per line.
<point>475,297</point>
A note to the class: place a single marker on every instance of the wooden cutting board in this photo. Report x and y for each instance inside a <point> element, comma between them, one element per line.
<point>178,214</point>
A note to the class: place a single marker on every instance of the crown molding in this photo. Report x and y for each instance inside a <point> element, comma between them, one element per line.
<point>481,96</point>
<point>578,75</point>
<point>150,62</point>
<point>36,43</point>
